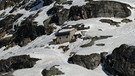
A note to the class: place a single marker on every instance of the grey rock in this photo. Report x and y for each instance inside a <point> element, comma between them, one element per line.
<point>100,9</point>
<point>103,56</point>
<point>60,14</point>
<point>92,9</point>
<point>88,61</point>
<point>122,61</point>
<point>111,22</point>
<point>17,62</point>
<point>52,72</point>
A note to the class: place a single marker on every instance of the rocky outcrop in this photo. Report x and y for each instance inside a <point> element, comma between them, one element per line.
<point>88,61</point>
<point>7,22</point>
<point>59,14</point>
<point>92,9</point>
<point>10,3</point>
<point>23,33</point>
<point>100,9</point>
<point>17,62</point>
<point>122,61</point>
<point>48,24</point>
<point>27,31</point>
<point>52,72</point>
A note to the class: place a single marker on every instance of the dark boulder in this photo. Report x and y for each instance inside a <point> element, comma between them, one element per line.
<point>17,62</point>
<point>52,72</point>
<point>122,61</point>
<point>88,61</point>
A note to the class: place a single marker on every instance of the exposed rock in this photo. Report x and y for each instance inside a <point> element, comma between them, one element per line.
<point>52,72</point>
<point>101,44</point>
<point>103,56</point>
<point>2,34</point>
<point>100,9</point>
<point>48,2</point>
<point>122,61</point>
<point>17,62</point>
<point>68,2</point>
<point>32,5</point>
<point>26,30</point>
<point>7,22</point>
<point>60,14</point>
<point>88,61</point>
<point>76,26</point>
<point>111,22</point>
<point>5,41</point>
<point>92,9</point>
<point>49,26</point>
<point>23,33</point>
<point>93,39</point>
<point>126,20</point>
<point>10,3</point>
<point>64,48</point>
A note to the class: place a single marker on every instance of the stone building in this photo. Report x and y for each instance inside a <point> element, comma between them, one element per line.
<point>65,35</point>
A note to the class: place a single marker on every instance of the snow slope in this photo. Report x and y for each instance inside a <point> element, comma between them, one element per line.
<point>50,55</point>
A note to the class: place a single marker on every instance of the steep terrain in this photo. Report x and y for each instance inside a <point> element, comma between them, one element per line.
<point>28,28</point>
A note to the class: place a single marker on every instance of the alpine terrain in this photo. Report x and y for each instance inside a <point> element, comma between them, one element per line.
<point>67,37</point>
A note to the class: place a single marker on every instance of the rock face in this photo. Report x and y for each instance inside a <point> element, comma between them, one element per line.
<point>122,61</point>
<point>17,62</point>
<point>92,9</point>
<point>51,72</point>
<point>100,9</point>
<point>88,61</point>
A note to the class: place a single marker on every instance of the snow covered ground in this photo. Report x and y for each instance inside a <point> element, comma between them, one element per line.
<point>50,55</point>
